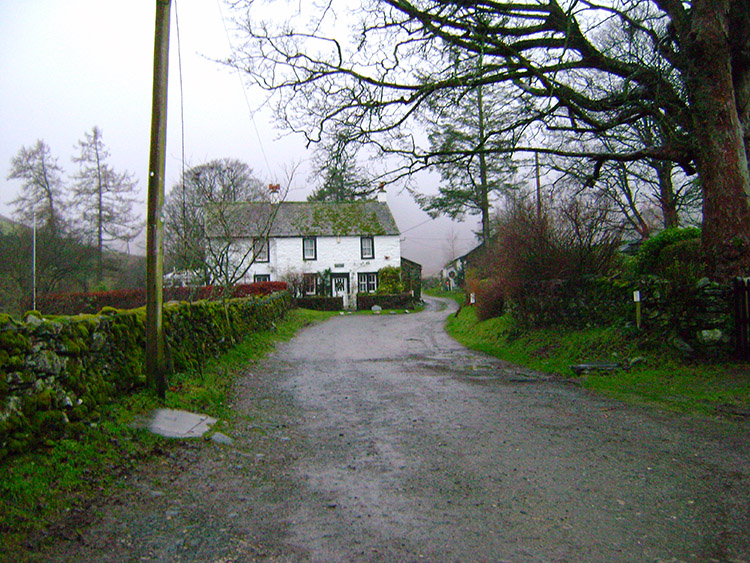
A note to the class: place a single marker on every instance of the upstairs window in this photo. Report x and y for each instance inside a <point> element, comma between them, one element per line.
<point>309,248</point>
<point>260,249</point>
<point>367,246</point>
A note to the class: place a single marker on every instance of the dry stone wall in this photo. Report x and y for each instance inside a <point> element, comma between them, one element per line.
<point>58,371</point>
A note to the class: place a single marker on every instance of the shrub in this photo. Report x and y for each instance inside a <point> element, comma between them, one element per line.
<point>389,280</point>
<point>93,302</point>
<point>320,303</point>
<point>660,253</point>
<point>490,299</point>
<point>366,301</point>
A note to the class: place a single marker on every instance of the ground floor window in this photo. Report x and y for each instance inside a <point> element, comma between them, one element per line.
<point>368,282</point>
<point>310,284</point>
<point>262,278</point>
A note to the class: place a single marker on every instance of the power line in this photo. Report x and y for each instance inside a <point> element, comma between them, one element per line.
<point>182,94</point>
<point>244,92</point>
<point>417,225</point>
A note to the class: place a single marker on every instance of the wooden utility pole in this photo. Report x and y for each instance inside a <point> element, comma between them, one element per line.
<point>155,360</point>
<point>538,189</point>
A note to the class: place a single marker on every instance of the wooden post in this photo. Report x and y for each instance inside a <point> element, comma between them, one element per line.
<point>155,359</point>
<point>637,299</point>
<point>538,189</point>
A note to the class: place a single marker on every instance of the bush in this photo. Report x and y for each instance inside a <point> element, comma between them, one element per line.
<point>490,299</point>
<point>389,280</point>
<point>365,301</point>
<point>125,299</point>
<point>669,251</point>
<point>319,303</point>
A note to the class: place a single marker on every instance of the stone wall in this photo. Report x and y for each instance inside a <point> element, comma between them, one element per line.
<point>59,371</point>
<point>697,319</point>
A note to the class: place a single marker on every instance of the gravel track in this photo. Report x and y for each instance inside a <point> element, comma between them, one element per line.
<point>379,438</point>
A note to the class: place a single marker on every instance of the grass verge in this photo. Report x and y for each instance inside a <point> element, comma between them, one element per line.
<point>38,487</point>
<point>660,377</point>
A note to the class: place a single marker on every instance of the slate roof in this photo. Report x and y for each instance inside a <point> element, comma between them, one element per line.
<point>301,218</point>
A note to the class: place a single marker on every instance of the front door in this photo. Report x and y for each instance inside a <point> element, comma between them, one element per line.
<point>340,287</point>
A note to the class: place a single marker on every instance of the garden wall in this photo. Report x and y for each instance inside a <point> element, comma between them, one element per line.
<point>57,372</point>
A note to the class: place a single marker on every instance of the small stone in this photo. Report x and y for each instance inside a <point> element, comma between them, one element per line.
<point>223,439</point>
<point>710,337</point>
<point>682,346</point>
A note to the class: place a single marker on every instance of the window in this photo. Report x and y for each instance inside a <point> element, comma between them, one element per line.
<point>309,249</point>
<point>310,284</point>
<point>260,249</point>
<point>368,247</point>
<point>368,283</point>
<point>262,278</point>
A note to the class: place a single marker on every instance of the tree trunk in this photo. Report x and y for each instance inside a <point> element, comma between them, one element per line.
<point>720,148</point>
<point>667,200</point>
<point>483,183</point>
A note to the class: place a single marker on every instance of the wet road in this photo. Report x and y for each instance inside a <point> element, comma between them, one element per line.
<point>419,450</point>
<point>380,439</point>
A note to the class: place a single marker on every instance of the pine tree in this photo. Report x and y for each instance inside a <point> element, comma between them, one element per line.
<point>104,198</point>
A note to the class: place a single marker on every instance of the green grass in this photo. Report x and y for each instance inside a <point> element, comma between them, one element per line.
<point>37,487</point>
<point>458,296</point>
<point>661,376</point>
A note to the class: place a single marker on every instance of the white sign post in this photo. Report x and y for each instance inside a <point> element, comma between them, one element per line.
<point>637,299</point>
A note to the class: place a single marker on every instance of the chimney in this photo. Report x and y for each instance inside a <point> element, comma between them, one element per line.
<point>381,193</point>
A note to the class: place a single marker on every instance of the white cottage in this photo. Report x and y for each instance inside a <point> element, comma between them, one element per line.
<point>349,241</point>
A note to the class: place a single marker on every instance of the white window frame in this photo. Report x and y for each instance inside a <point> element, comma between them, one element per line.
<point>367,282</point>
<point>314,288</point>
<point>261,252</point>
<point>367,255</point>
<point>260,278</point>
<point>306,255</point>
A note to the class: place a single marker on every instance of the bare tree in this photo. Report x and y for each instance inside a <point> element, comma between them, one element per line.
<point>237,232</point>
<point>694,83</point>
<point>103,197</point>
<point>216,182</point>
<point>42,190</point>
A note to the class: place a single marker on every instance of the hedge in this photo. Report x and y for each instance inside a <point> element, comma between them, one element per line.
<point>317,303</point>
<point>366,301</point>
<point>61,370</point>
<point>93,302</point>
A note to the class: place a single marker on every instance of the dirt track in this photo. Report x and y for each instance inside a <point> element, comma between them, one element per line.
<point>381,439</point>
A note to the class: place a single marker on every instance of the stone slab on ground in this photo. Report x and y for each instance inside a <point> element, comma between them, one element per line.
<point>180,424</point>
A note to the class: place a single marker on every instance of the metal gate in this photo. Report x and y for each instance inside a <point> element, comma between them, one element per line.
<point>742,317</point>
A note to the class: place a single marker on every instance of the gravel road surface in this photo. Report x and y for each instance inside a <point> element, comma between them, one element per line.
<point>380,439</point>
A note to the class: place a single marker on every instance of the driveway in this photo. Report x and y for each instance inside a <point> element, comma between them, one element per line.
<point>379,438</point>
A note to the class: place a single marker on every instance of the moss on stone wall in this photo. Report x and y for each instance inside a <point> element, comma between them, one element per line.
<point>60,370</point>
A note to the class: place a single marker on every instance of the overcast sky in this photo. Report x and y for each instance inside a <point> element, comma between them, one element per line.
<point>68,65</point>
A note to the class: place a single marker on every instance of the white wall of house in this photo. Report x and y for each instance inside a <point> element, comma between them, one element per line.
<point>342,255</point>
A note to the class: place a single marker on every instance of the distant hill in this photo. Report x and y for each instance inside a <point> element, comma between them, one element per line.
<point>9,226</point>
